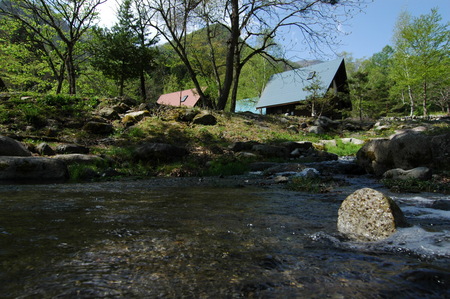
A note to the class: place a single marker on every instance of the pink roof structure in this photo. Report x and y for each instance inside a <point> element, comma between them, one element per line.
<point>186,98</point>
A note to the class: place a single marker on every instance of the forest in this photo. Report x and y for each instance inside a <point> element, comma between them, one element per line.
<point>226,49</point>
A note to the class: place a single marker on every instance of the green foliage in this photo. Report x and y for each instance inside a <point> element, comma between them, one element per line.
<point>124,52</point>
<point>33,114</point>
<point>4,114</point>
<point>226,168</point>
<point>343,149</point>
<point>421,64</point>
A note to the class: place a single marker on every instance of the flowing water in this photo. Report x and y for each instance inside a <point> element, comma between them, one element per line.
<point>149,239</point>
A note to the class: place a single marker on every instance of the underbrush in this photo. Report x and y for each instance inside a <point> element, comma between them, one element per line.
<point>314,184</point>
<point>439,185</point>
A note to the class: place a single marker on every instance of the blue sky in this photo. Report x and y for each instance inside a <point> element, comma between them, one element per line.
<point>373,29</point>
<point>367,33</point>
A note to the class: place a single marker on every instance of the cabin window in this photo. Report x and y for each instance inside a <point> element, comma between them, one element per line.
<point>311,75</point>
<point>183,99</point>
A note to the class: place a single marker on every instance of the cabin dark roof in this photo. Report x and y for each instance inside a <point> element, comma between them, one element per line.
<point>287,87</point>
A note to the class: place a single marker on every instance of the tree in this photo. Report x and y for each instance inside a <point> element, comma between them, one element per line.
<point>422,48</point>
<point>245,22</point>
<point>59,24</point>
<point>123,52</point>
<point>359,90</point>
<point>377,101</point>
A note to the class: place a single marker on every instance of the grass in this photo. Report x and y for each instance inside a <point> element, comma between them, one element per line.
<point>208,145</point>
<point>343,149</point>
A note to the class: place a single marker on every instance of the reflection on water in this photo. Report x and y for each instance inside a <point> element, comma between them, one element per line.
<point>139,240</point>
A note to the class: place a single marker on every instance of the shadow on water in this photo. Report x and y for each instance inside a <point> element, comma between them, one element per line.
<point>130,239</point>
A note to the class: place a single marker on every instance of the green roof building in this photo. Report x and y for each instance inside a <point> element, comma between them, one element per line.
<point>285,91</point>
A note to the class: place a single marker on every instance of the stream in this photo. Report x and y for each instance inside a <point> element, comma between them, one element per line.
<point>165,239</point>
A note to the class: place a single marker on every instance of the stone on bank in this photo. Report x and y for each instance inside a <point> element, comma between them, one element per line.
<point>32,169</point>
<point>369,215</point>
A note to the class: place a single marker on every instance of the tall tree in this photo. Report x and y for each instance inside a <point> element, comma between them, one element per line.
<point>421,60</point>
<point>68,20</point>
<point>246,22</point>
<point>123,52</point>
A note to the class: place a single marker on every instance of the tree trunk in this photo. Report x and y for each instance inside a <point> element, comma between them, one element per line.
<point>3,85</point>
<point>411,101</point>
<point>71,76</point>
<point>143,91</point>
<point>425,98</point>
<point>121,86</point>
<point>234,91</point>
<point>230,60</point>
<point>61,78</point>
<point>360,108</point>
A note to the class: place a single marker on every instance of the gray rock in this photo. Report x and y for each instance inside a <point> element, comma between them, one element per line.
<point>440,149</point>
<point>159,152</point>
<point>316,130</point>
<point>32,169</point>
<point>406,151</point>
<point>242,146</point>
<point>98,128</point>
<point>11,147</point>
<point>70,159</point>
<point>109,113</point>
<point>134,117</point>
<point>280,179</point>
<point>188,115</point>
<point>266,150</point>
<point>205,119</point>
<point>301,146</point>
<point>261,166</point>
<point>441,204</point>
<point>121,108</point>
<point>410,150</point>
<point>71,149</point>
<point>374,157</point>
<point>284,168</point>
<point>293,128</point>
<point>309,173</point>
<point>44,149</point>
<point>420,173</point>
<point>352,141</point>
<point>246,155</point>
<point>325,122</point>
<point>369,215</point>
<point>324,156</point>
<point>325,143</point>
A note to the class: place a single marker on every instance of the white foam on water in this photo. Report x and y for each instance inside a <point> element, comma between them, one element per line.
<point>426,213</point>
<point>419,241</point>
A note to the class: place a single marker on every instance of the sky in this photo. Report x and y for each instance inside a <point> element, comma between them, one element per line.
<point>370,31</point>
<point>366,33</point>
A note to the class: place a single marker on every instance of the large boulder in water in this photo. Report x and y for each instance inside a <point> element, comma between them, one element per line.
<point>440,149</point>
<point>32,169</point>
<point>11,147</point>
<point>369,215</point>
<point>406,150</point>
